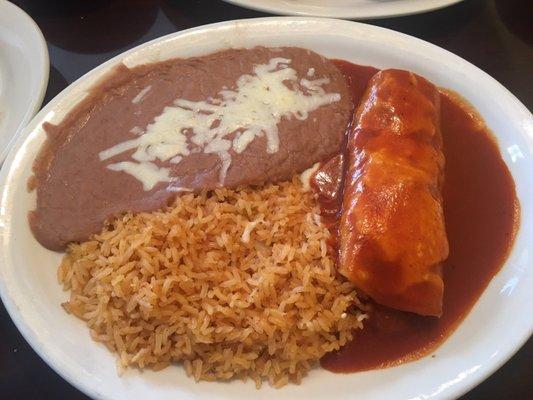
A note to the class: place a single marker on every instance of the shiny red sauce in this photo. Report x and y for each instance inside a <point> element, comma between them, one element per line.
<point>328,181</point>
<point>481,214</point>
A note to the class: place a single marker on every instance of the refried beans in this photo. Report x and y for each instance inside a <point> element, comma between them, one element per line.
<point>94,166</point>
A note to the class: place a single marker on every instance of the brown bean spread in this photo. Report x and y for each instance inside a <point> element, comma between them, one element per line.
<point>78,189</point>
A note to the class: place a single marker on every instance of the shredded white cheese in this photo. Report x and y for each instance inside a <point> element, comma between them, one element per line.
<point>305,176</point>
<point>176,160</point>
<point>179,189</point>
<point>141,94</point>
<point>136,130</point>
<point>252,110</point>
<point>146,172</point>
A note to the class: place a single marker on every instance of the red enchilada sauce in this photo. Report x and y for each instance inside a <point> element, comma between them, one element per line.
<point>481,212</point>
<point>327,181</point>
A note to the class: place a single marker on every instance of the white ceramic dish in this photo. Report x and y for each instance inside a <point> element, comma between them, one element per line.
<point>348,9</point>
<point>498,325</point>
<point>24,69</point>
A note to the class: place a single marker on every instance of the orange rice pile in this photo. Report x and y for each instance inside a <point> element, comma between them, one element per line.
<point>232,283</point>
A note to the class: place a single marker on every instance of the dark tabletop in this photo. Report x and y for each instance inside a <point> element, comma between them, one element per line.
<point>496,36</point>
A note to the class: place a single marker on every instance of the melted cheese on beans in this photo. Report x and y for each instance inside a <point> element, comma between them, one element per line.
<point>228,122</point>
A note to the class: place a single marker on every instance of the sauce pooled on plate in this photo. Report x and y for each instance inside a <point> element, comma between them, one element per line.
<point>481,212</point>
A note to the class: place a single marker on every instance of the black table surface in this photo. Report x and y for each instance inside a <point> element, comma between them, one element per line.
<point>494,35</point>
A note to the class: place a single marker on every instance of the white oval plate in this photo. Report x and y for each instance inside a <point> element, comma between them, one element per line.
<point>497,326</point>
<point>24,69</point>
<point>349,9</point>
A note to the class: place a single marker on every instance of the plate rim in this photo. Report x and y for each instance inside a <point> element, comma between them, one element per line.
<point>349,12</point>
<point>44,70</point>
<point>9,303</point>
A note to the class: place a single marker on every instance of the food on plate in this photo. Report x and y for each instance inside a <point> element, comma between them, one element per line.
<point>392,236</point>
<point>233,283</point>
<point>477,182</point>
<point>236,117</point>
<point>251,212</point>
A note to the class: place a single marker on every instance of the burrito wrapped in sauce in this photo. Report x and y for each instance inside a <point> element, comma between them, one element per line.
<point>392,234</point>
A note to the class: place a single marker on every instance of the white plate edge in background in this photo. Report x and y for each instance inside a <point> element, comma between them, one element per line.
<point>41,71</point>
<point>381,9</point>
